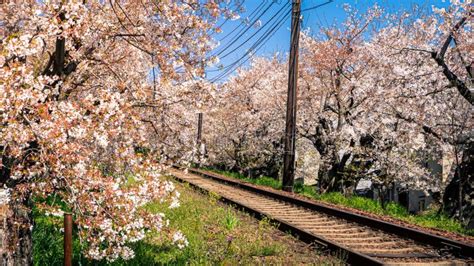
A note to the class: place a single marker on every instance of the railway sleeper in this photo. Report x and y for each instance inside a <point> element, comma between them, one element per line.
<point>316,220</point>
<point>364,244</point>
<point>408,255</point>
<point>355,235</point>
<point>287,214</point>
<point>405,250</point>
<point>328,229</point>
<point>309,224</point>
<point>373,239</point>
<point>319,220</point>
<point>332,226</point>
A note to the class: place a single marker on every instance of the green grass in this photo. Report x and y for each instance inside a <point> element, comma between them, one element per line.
<point>217,234</point>
<point>429,218</point>
<point>263,180</point>
<point>48,241</point>
<point>230,220</point>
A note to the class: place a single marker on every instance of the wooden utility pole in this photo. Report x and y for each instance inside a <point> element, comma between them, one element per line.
<point>199,138</point>
<point>290,131</point>
<point>199,133</point>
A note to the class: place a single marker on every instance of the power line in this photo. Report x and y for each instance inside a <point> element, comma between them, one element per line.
<point>254,48</point>
<point>227,19</point>
<point>257,45</point>
<point>253,35</point>
<point>259,7</point>
<point>250,17</point>
<point>317,6</point>
<point>235,62</point>
<point>244,30</point>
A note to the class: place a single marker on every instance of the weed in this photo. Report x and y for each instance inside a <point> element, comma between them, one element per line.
<point>214,197</point>
<point>230,220</point>
<point>269,250</point>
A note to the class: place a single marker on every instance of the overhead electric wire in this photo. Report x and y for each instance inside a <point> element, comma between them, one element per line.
<point>259,7</point>
<point>264,37</point>
<point>255,33</point>
<point>317,6</point>
<point>243,31</point>
<point>279,20</point>
<point>255,47</point>
<point>251,17</point>
<point>227,19</point>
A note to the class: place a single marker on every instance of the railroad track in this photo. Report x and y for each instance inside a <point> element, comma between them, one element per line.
<point>357,239</point>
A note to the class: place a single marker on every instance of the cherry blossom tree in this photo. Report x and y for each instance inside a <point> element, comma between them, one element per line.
<point>334,96</point>
<point>373,99</point>
<point>73,129</point>
<point>394,105</point>
<point>431,62</point>
<point>245,128</point>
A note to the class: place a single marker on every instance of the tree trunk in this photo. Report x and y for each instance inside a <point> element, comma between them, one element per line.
<point>16,247</point>
<point>460,190</point>
<point>334,178</point>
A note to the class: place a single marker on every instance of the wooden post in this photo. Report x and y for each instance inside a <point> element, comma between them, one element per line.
<point>67,239</point>
<point>154,76</point>
<point>199,138</point>
<point>199,132</point>
<point>290,130</point>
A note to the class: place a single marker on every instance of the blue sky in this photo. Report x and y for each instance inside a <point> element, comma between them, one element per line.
<point>325,15</point>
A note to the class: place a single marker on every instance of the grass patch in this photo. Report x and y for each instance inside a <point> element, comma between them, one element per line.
<point>217,234</point>
<point>48,241</point>
<point>429,218</point>
<point>262,180</point>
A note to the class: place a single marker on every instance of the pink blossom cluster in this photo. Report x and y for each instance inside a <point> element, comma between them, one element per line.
<point>74,104</point>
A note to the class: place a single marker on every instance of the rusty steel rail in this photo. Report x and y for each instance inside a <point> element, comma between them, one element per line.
<point>454,247</point>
